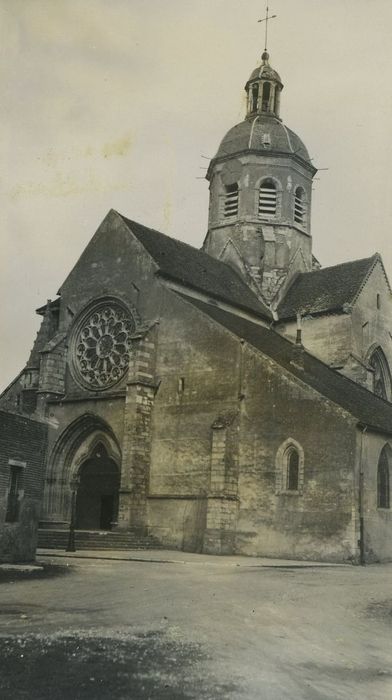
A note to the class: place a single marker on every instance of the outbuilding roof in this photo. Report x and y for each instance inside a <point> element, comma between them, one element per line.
<point>326,290</point>
<point>366,407</point>
<point>192,267</point>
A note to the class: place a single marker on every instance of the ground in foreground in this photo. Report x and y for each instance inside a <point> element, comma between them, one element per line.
<point>93,629</point>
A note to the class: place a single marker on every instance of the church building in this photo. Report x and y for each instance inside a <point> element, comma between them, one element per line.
<point>230,400</point>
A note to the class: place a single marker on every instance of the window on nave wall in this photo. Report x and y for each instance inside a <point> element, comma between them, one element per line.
<point>383,478</point>
<point>292,469</point>
<point>381,374</point>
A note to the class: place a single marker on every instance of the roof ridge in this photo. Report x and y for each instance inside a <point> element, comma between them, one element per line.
<point>172,238</point>
<point>197,268</point>
<point>342,264</point>
<point>309,371</point>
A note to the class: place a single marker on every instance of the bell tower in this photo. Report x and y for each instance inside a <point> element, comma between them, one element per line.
<point>260,192</point>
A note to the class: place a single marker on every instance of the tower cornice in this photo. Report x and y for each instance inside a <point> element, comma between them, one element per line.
<point>266,154</point>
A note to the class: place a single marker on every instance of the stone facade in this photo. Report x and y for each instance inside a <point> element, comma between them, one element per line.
<point>185,403</point>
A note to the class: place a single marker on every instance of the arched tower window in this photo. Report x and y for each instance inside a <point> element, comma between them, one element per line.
<point>267,199</point>
<point>292,469</point>
<point>255,97</point>
<point>299,206</point>
<point>383,488</point>
<point>381,374</point>
<point>266,97</point>
<point>231,200</point>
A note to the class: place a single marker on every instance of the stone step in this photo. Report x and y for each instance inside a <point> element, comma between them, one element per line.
<point>88,539</point>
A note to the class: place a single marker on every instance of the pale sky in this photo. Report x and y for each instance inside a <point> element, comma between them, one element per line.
<point>113,104</point>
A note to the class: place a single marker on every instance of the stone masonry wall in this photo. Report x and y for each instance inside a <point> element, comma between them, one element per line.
<point>318,521</point>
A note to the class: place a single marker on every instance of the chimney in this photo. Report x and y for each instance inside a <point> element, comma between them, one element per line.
<point>298,349</point>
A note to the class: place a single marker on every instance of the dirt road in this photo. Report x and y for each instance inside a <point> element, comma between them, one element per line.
<point>91,629</point>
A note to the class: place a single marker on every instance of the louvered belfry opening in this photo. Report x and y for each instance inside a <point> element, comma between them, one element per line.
<point>299,206</point>
<point>231,200</point>
<point>266,97</point>
<point>267,199</point>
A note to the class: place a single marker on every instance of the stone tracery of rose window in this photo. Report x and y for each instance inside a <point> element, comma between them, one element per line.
<point>103,345</point>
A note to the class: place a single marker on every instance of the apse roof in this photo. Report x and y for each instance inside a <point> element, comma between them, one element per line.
<point>192,267</point>
<point>362,404</point>
<point>326,290</point>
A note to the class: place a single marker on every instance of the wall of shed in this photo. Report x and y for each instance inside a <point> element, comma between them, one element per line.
<point>22,440</point>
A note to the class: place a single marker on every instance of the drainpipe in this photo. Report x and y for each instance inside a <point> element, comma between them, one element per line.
<point>362,558</point>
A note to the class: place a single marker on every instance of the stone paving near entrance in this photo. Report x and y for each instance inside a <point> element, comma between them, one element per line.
<point>169,556</point>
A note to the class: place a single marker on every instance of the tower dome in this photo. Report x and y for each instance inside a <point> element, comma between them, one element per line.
<point>260,191</point>
<point>259,135</point>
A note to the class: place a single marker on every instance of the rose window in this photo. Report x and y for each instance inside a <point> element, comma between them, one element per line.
<point>103,345</point>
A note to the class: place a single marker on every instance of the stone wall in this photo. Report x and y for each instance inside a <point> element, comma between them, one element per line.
<point>371,319</point>
<point>377,521</point>
<point>317,522</point>
<point>328,337</point>
<point>22,447</point>
<point>346,340</point>
<point>220,416</point>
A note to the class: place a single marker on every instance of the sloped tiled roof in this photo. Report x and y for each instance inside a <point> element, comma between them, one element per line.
<point>194,268</point>
<point>327,289</point>
<point>366,407</point>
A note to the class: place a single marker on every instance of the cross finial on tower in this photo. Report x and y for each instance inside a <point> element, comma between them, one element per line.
<point>266,19</point>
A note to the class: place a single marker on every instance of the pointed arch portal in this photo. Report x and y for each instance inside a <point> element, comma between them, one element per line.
<point>86,453</point>
<point>97,494</point>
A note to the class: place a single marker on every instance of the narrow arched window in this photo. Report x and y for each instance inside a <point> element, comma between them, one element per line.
<point>292,475</point>
<point>299,206</point>
<point>231,200</point>
<point>290,464</point>
<point>381,374</point>
<point>383,490</point>
<point>267,199</point>
<point>266,96</point>
<point>255,97</point>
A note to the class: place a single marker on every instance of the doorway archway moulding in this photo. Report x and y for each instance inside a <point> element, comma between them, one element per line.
<point>74,446</point>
